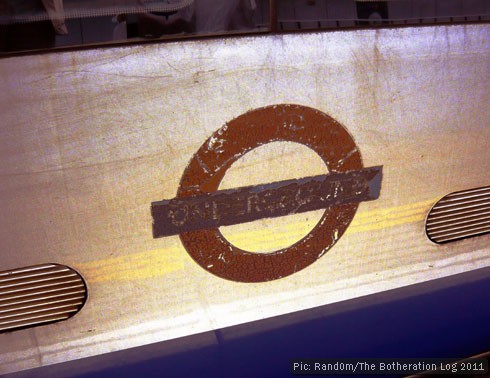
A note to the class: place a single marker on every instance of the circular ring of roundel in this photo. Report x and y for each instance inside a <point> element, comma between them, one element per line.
<point>290,123</point>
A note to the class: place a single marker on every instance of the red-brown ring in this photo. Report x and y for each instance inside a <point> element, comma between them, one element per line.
<point>292,123</point>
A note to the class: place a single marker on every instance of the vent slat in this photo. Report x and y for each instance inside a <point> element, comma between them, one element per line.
<point>29,269</point>
<point>468,192</point>
<point>31,274</point>
<point>35,280</point>
<point>468,195</point>
<point>458,223</point>
<point>43,291</point>
<point>455,229</point>
<point>38,295</point>
<point>462,206</point>
<point>460,215</point>
<point>463,213</point>
<point>464,235</point>
<point>40,286</point>
<point>72,299</point>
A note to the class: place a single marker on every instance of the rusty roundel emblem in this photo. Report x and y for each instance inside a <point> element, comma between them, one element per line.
<point>199,202</point>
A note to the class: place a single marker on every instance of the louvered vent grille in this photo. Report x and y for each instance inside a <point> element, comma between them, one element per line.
<point>460,215</point>
<point>38,295</point>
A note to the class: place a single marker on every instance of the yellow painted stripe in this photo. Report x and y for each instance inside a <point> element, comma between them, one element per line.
<point>253,239</point>
<point>160,262</point>
<point>134,266</point>
<point>390,217</point>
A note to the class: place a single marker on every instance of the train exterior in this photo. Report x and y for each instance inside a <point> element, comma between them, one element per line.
<point>293,171</point>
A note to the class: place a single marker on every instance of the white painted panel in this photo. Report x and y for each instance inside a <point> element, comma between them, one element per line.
<point>90,138</point>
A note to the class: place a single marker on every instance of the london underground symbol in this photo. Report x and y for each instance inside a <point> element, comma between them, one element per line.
<point>200,208</point>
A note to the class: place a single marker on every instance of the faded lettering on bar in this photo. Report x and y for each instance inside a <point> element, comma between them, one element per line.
<point>249,203</point>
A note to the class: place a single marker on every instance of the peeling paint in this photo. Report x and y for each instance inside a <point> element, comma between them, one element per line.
<point>294,123</point>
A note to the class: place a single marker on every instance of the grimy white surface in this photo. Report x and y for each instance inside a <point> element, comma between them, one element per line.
<point>89,139</point>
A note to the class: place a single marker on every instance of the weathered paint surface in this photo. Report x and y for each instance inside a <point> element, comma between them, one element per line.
<point>291,123</point>
<point>89,139</point>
